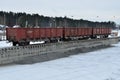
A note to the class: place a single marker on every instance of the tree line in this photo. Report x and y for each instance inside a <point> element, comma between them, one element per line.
<point>35,20</point>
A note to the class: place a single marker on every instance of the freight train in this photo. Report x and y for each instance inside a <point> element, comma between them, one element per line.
<point>23,36</point>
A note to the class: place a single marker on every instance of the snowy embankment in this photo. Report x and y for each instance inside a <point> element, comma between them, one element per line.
<point>98,65</point>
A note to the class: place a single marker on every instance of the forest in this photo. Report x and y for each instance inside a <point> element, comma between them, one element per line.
<point>35,20</point>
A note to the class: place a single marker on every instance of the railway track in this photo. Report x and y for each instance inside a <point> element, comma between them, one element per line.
<point>50,50</point>
<point>45,44</point>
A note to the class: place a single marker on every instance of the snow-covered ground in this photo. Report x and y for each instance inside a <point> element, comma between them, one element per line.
<point>1,31</point>
<point>98,65</point>
<point>5,44</point>
<point>103,64</point>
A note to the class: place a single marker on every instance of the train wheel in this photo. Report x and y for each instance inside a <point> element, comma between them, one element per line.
<point>14,43</point>
<point>93,37</point>
<point>23,43</point>
<point>106,36</point>
<point>20,44</point>
<point>27,43</point>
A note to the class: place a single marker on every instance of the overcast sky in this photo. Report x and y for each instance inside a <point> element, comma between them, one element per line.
<point>94,10</point>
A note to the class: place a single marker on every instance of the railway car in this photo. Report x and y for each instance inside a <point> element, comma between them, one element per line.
<point>70,33</point>
<point>84,32</point>
<point>101,32</point>
<point>23,36</point>
<point>79,32</point>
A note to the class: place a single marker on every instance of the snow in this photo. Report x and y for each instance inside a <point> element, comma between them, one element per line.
<point>1,31</point>
<point>103,64</point>
<point>16,26</point>
<point>2,26</point>
<point>98,65</point>
<point>37,42</point>
<point>5,44</point>
<point>117,31</point>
